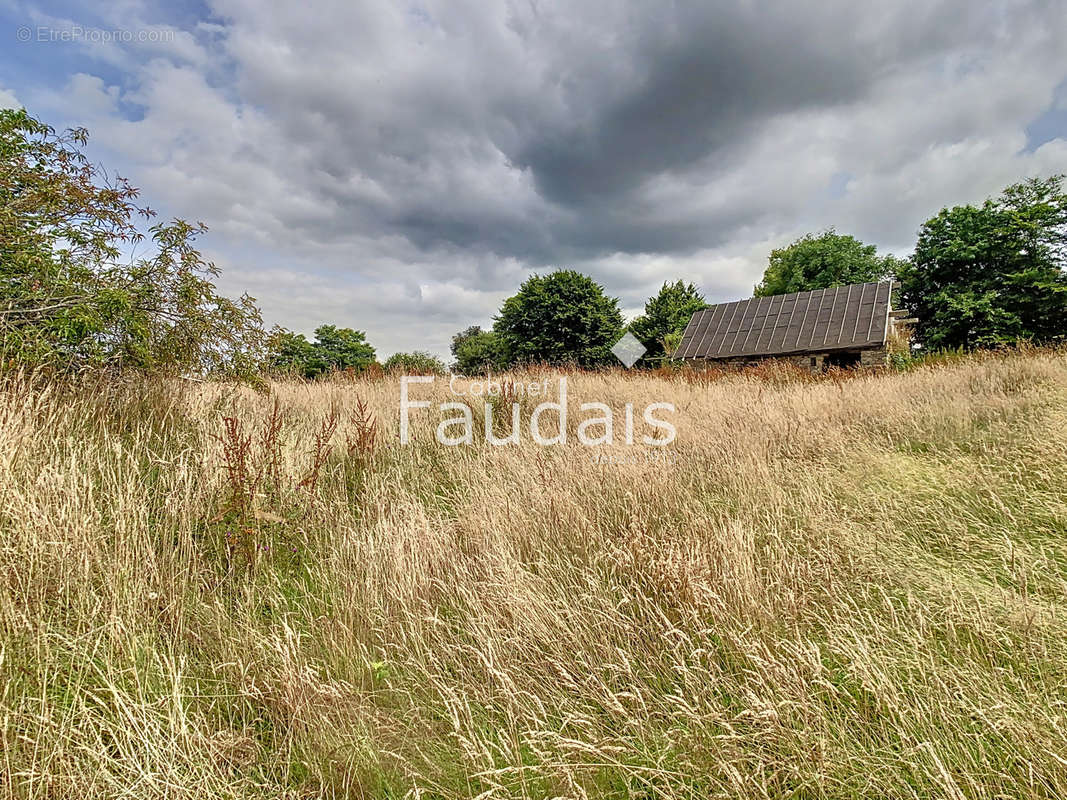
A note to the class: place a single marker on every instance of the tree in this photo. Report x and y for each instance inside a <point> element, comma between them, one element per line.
<point>293,353</point>
<point>665,314</point>
<point>416,363</point>
<point>819,262</point>
<point>343,348</point>
<point>476,351</point>
<point>560,318</point>
<point>67,299</point>
<point>333,349</point>
<point>993,274</point>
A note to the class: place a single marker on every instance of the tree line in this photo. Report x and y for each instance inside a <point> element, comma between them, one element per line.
<point>980,276</point>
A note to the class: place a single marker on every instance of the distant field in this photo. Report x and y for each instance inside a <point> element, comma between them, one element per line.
<point>835,588</point>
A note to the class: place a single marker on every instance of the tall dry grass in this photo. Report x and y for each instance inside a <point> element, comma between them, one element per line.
<point>846,588</point>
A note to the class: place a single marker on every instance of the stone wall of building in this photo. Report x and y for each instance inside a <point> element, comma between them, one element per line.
<point>816,362</point>
<point>875,357</point>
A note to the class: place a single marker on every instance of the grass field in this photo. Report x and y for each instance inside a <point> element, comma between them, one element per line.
<point>834,588</point>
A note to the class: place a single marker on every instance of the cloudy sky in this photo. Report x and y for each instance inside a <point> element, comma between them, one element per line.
<point>400,167</point>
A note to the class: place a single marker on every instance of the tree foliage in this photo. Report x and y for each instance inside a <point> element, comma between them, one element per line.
<point>333,349</point>
<point>665,314</point>
<point>69,300</point>
<point>477,352</point>
<point>415,363</point>
<point>560,318</point>
<point>993,274</point>
<point>819,262</point>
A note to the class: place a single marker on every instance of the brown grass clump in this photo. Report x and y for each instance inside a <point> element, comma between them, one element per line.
<point>824,588</point>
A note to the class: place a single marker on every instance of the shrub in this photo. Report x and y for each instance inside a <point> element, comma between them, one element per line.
<point>416,363</point>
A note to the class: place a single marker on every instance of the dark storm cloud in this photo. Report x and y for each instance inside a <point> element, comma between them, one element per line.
<point>696,93</point>
<point>703,79</point>
<point>576,108</point>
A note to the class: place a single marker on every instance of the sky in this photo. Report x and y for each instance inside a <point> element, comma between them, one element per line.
<point>401,167</point>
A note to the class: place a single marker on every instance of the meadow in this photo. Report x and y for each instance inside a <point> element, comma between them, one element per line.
<point>847,587</point>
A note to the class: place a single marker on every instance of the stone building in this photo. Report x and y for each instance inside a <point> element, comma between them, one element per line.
<point>845,326</point>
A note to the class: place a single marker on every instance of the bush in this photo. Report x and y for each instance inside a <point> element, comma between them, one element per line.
<point>416,363</point>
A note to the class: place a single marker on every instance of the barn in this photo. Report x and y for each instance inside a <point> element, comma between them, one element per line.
<point>839,327</point>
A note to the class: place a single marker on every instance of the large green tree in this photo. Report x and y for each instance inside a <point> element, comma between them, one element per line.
<point>560,318</point>
<point>819,262</point>
<point>983,276</point>
<point>68,297</point>
<point>666,315</point>
<point>333,349</point>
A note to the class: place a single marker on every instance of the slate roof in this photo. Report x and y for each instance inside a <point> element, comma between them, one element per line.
<point>842,318</point>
